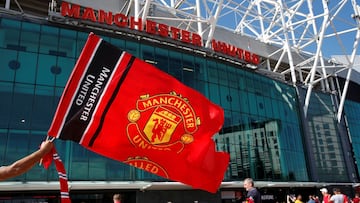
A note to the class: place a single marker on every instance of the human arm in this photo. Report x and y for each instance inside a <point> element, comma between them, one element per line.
<point>26,163</point>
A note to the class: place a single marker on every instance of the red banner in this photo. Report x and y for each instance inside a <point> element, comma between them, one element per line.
<point>126,109</point>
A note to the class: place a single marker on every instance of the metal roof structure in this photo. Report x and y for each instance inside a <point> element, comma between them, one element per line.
<point>295,38</point>
<point>297,29</point>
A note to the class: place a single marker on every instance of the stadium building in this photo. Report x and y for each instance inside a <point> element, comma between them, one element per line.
<point>291,110</point>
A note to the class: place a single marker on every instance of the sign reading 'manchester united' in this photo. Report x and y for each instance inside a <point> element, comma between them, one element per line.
<point>154,28</point>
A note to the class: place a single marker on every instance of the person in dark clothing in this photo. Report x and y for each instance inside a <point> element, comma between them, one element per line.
<point>253,195</point>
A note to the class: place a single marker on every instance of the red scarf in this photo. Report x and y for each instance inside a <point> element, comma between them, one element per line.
<point>46,162</point>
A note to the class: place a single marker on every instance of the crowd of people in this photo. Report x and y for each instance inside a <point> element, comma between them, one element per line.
<point>336,197</point>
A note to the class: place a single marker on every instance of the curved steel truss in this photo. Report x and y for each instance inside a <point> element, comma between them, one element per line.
<point>314,30</point>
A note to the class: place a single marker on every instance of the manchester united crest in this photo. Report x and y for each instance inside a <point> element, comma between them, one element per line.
<point>162,122</point>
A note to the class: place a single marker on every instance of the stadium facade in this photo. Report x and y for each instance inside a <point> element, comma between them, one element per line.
<point>284,147</point>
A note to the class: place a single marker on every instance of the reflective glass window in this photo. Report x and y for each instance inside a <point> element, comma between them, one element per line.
<point>30,37</point>
<point>46,63</point>
<point>328,154</point>
<point>6,96</point>
<point>175,65</point>
<point>21,105</point>
<point>79,163</point>
<point>62,70</point>
<point>67,43</point>
<point>10,34</point>
<point>49,38</point>
<point>225,97</point>
<point>26,73</point>
<point>352,111</point>
<point>161,59</point>
<point>9,64</point>
<point>80,42</point>
<point>17,147</point>
<point>200,68</point>
<point>43,108</point>
<point>213,75</point>
<point>188,70</point>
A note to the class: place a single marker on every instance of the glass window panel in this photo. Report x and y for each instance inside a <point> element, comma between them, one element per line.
<point>132,48</point>
<point>222,74</point>
<point>30,36</point>
<point>235,102</point>
<point>352,111</point>
<point>147,54</point>
<point>97,167</point>
<point>17,147</point>
<point>104,37</point>
<point>117,171</point>
<point>188,70</point>
<point>241,81</point>
<point>244,102</point>
<point>58,92</point>
<point>80,42</point>
<point>67,43</point>
<point>249,82</point>
<point>260,105</point>
<point>21,106</point>
<point>203,87</point>
<point>44,75</point>
<point>43,108</point>
<point>226,98</point>
<point>26,72</point>
<point>268,107</point>
<point>66,66</point>
<point>37,173</point>
<point>227,120</point>
<point>5,103</point>
<point>200,69</point>
<point>253,103</point>
<point>11,35</point>
<point>9,64</point>
<point>3,145</point>
<point>214,93</point>
<point>119,43</point>
<point>212,72</point>
<point>233,78</point>
<point>162,59</point>
<point>276,109</point>
<point>79,163</point>
<point>49,39</point>
<point>175,65</point>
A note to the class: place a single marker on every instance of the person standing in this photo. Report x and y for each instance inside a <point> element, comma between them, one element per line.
<point>117,198</point>
<point>299,199</point>
<point>311,199</point>
<point>26,163</point>
<point>326,195</point>
<point>338,197</point>
<point>356,199</point>
<point>253,195</point>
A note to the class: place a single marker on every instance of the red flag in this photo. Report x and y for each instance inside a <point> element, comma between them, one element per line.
<point>126,109</point>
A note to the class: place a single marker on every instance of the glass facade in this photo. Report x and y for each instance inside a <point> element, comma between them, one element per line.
<point>262,130</point>
<point>325,139</point>
<point>352,111</point>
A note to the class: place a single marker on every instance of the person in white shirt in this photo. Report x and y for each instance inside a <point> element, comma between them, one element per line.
<point>338,197</point>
